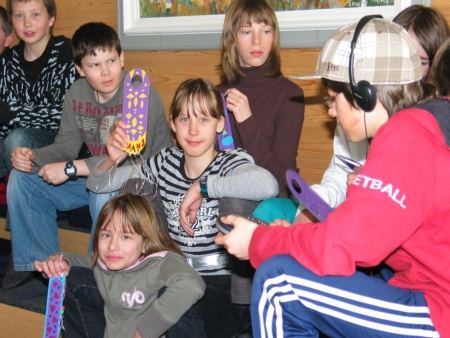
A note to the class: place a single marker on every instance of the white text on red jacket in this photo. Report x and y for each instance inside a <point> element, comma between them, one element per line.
<point>372,183</point>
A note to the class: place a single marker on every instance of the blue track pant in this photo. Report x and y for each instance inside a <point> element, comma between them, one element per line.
<point>288,300</point>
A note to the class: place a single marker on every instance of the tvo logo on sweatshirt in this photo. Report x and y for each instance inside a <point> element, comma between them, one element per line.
<point>372,183</point>
<point>134,299</point>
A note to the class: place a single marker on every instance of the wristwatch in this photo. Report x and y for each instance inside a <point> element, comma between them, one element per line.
<point>204,186</point>
<point>71,170</point>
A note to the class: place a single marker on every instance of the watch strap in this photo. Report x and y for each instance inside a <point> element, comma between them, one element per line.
<point>70,170</point>
<point>204,186</point>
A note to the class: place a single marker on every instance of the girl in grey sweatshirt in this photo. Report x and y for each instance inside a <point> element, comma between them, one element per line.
<point>134,260</point>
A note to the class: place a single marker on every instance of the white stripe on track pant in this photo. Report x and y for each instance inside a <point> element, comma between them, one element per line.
<point>288,300</point>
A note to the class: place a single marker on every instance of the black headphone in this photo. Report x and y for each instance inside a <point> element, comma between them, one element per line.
<point>363,92</point>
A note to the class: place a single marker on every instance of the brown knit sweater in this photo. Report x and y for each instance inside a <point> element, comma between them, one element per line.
<point>271,135</point>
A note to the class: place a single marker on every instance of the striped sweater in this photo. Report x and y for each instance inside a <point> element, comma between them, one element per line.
<point>39,104</point>
<point>173,185</point>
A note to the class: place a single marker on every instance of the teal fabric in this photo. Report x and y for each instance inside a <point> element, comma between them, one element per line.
<point>276,208</point>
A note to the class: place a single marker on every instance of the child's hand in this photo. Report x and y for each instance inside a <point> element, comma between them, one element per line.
<point>54,173</point>
<point>351,177</point>
<point>22,159</point>
<point>280,222</point>
<point>305,216</point>
<point>53,266</point>
<point>237,103</point>
<point>117,142</point>
<point>237,240</point>
<point>189,207</point>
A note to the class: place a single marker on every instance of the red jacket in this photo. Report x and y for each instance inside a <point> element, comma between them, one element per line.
<point>397,211</point>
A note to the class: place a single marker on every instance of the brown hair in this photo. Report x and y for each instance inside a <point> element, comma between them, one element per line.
<point>137,216</point>
<point>199,96</point>
<point>5,19</point>
<point>428,25</point>
<point>393,97</point>
<point>239,14</point>
<point>440,71</point>
<point>91,37</point>
<point>50,6</point>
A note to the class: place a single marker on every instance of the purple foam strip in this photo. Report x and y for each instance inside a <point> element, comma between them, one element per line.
<point>308,197</point>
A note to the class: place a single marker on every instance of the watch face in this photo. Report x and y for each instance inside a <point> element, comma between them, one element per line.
<point>71,170</point>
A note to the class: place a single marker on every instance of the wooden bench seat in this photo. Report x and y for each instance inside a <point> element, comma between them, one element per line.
<point>20,323</point>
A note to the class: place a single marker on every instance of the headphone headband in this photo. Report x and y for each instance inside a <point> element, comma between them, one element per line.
<point>363,92</point>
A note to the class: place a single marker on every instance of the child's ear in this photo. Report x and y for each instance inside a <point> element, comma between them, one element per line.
<point>143,247</point>
<point>221,124</point>
<point>172,124</point>
<point>9,40</point>
<point>79,70</point>
<point>122,58</point>
<point>51,21</point>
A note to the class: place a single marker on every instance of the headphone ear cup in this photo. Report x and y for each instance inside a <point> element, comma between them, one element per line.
<point>365,95</point>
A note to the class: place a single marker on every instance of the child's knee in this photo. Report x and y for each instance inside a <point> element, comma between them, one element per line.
<point>17,180</point>
<point>16,138</point>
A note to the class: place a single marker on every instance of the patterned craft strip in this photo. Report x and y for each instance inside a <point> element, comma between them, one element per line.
<point>225,138</point>
<point>308,197</point>
<point>136,95</point>
<point>54,311</point>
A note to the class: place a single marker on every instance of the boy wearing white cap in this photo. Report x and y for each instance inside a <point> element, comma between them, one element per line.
<point>396,211</point>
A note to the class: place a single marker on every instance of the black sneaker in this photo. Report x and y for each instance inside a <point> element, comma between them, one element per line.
<point>13,278</point>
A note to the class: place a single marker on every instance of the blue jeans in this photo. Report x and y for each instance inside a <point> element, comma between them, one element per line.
<point>289,300</point>
<point>32,205</point>
<point>96,203</point>
<point>22,137</point>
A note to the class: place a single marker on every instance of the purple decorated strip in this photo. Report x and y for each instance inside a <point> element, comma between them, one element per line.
<point>136,94</point>
<point>54,310</point>
<point>308,197</point>
<point>225,138</point>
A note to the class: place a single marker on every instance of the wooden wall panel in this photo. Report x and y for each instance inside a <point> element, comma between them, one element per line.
<point>443,6</point>
<point>168,68</point>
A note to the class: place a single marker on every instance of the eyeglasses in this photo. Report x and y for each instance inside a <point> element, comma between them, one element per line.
<point>329,101</point>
